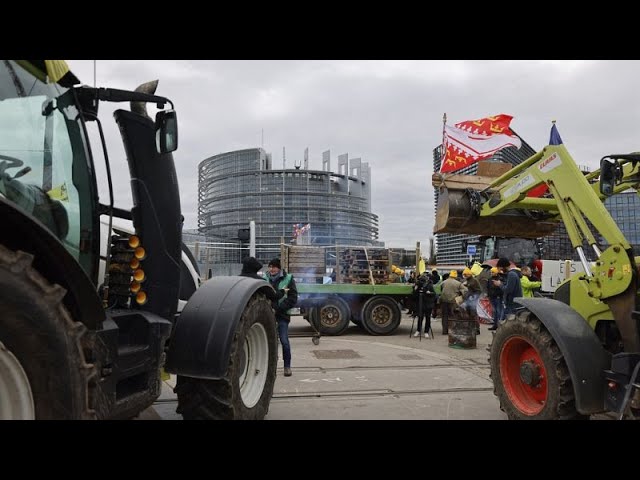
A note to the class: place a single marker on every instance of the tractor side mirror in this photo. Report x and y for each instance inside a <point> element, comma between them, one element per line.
<point>609,175</point>
<point>166,131</point>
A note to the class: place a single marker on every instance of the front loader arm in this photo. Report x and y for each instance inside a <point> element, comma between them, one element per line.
<point>575,201</point>
<point>573,197</point>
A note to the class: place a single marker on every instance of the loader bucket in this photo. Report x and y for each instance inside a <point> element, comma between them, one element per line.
<point>455,214</point>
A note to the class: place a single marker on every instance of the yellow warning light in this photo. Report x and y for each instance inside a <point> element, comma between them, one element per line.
<point>134,263</point>
<point>140,253</point>
<point>141,298</point>
<point>139,275</point>
<point>134,241</point>
<point>134,287</point>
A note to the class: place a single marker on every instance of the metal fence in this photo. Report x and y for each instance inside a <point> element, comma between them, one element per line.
<point>225,258</point>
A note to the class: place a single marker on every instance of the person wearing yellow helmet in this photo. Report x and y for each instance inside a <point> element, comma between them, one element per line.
<point>451,288</point>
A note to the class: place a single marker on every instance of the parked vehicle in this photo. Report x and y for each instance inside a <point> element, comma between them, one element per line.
<point>84,334</point>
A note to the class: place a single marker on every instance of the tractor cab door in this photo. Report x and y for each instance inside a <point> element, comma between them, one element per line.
<point>44,166</point>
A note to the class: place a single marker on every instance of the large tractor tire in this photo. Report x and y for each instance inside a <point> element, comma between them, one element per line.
<point>529,373</point>
<point>43,371</point>
<point>247,387</point>
<point>381,315</point>
<point>332,317</point>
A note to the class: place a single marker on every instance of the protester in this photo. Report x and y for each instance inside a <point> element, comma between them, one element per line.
<point>511,286</point>
<point>285,285</point>
<point>437,287</point>
<point>250,268</point>
<point>435,276</point>
<point>426,296</point>
<point>528,286</point>
<point>451,288</point>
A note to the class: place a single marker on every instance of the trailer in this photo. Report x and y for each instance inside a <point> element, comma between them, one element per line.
<point>361,289</point>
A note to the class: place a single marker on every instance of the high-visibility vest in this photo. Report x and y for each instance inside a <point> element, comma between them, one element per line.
<point>284,283</point>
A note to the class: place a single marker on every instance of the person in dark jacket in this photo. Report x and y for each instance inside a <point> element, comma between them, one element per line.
<point>250,268</point>
<point>284,284</point>
<point>425,297</point>
<point>511,287</point>
<point>435,276</point>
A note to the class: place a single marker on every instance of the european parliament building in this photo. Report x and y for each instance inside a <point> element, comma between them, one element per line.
<point>239,186</point>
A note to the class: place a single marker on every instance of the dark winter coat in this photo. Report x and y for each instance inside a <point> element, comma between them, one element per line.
<point>286,299</point>
<point>512,288</point>
<point>424,289</point>
<point>495,291</point>
<point>250,268</point>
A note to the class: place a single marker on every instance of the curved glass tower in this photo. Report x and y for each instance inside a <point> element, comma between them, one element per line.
<point>237,187</point>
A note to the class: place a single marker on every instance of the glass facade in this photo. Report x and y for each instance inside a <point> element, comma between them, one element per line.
<point>625,210</point>
<point>237,187</point>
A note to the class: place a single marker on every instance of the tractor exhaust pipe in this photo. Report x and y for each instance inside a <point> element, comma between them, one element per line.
<point>141,107</point>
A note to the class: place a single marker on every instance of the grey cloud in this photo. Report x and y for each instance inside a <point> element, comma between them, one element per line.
<point>388,113</point>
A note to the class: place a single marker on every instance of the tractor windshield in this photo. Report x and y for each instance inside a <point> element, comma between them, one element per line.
<point>521,251</point>
<point>44,167</point>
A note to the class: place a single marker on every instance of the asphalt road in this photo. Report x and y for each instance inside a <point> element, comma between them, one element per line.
<point>356,376</point>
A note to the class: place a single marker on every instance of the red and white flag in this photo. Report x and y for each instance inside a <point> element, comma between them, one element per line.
<point>473,140</point>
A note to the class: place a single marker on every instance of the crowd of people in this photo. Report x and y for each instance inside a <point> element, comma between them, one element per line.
<point>435,295</point>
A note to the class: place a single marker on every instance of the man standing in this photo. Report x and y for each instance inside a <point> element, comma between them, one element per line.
<point>250,268</point>
<point>511,288</point>
<point>284,284</point>
<point>423,290</point>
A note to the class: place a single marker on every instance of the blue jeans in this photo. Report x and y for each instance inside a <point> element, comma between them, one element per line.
<point>283,334</point>
<point>496,303</point>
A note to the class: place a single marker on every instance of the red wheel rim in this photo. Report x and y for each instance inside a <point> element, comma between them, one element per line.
<point>529,397</point>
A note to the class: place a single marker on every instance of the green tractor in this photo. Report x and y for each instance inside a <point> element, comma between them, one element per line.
<point>89,317</point>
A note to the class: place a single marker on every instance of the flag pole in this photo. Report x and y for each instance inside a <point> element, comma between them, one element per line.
<point>443,148</point>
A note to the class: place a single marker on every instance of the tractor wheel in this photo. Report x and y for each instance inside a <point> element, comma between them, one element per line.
<point>333,316</point>
<point>43,371</point>
<point>381,315</point>
<point>530,376</point>
<point>246,389</point>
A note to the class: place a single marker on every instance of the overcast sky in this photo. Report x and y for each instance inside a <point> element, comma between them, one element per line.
<point>388,113</point>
